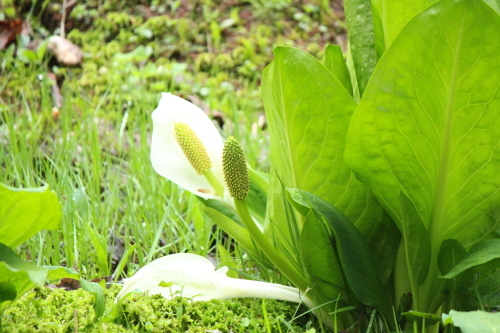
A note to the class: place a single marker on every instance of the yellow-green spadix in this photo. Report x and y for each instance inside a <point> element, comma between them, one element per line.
<point>175,121</point>
<point>235,169</point>
<point>193,276</point>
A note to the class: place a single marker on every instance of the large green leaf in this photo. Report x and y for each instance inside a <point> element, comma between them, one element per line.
<point>417,244</point>
<point>428,123</point>
<point>361,32</point>
<point>334,61</point>
<point>356,258</point>
<point>309,112</point>
<point>450,254</point>
<point>396,13</point>
<point>474,321</point>
<point>318,252</point>
<point>18,271</point>
<point>24,212</point>
<point>319,255</point>
<point>495,4</point>
<point>18,276</point>
<point>479,254</point>
<point>257,197</point>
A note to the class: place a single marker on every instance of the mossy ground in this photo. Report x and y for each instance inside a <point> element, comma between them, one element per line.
<point>57,311</point>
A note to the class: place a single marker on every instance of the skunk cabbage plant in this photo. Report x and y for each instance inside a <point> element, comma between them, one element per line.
<point>383,190</point>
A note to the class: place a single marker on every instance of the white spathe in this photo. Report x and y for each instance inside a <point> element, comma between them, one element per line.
<point>167,156</point>
<point>195,277</point>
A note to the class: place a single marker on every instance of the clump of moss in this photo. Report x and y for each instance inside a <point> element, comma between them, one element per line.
<point>57,310</point>
<point>156,314</point>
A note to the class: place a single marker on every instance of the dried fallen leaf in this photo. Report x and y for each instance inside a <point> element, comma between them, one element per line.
<point>9,30</point>
<point>116,249</point>
<point>68,284</point>
<point>73,284</point>
<point>67,53</point>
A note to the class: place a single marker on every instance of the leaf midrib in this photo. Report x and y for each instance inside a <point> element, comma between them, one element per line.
<point>438,211</point>
<point>287,132</point>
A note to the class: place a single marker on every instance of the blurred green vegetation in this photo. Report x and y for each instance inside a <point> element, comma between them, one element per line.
<point>190,46</point>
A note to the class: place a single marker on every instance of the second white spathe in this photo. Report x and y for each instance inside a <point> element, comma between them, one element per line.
<point>193,276</point>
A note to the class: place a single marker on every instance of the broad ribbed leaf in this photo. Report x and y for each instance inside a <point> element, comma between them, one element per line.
<point>474,321</point>
<point>18,271</point>
<point>428,123</point>
<point>257,197</point>
<point>450,254</point>
<point>495,4</point>
<point>318,251</point>
<point>416,242</point>
<point>334,61</point>
<point>480,253</point>
<point>361,32</point>
<point>457,289</point>
<point>24,212</point>
<point>396,13</point>
<point>309,113</point>
<point>355,256</point>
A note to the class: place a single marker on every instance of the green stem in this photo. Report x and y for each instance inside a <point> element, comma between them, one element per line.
<point>280,261</point>
<point>432,288</point>
<point>401,279</point>
<point>414,289</point>
<point>212,180</point>
<point>263,243</point>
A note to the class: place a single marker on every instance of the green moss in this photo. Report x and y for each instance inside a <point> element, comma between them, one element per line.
<point>46,310</point>
<point>57,310</point>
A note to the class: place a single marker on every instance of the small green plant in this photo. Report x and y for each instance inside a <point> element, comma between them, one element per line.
<point>23,213</point>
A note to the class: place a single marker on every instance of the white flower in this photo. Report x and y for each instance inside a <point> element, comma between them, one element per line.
<point>193,276</point>
<point>167,156</point>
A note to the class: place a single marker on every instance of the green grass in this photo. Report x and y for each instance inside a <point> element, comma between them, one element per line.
<point>97,160</point>
<point>95,154</point>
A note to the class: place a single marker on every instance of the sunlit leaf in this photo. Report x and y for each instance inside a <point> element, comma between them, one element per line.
<point>474,321</point>
<point>427,124</point>
<point>334,61</point>
<point>24,212</point>
<point>309,112</point>
<point>318,251</point>
<point>416,242</point>
<point>356,258</point>
<point>480,253</point>
<point>361,32</point>
<point>395,14</point>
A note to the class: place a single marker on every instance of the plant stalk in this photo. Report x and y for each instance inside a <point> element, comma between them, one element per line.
<point>212,180</point>
<point>263,243</point>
